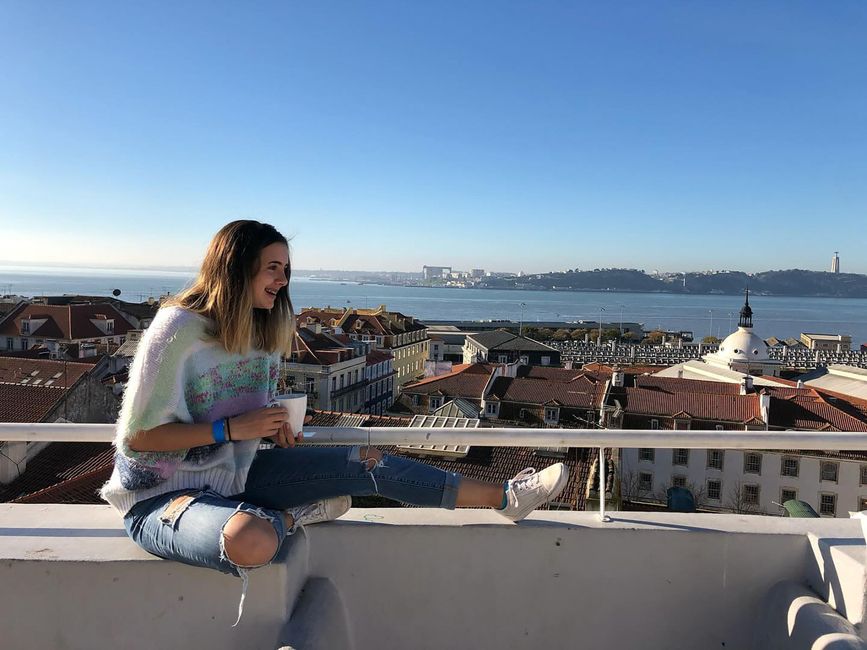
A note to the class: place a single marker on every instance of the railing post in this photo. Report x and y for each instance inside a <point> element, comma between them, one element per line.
<point>602,515</point>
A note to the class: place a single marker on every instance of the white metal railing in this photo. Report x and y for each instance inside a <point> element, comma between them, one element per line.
<point>512,437</point>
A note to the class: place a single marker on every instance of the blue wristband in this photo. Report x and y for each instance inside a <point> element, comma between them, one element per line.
<point>218,429</point>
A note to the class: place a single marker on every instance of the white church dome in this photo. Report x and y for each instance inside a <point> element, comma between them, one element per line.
<point>743,345</point>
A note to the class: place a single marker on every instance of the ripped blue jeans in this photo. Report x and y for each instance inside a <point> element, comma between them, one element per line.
<point>190,530</point>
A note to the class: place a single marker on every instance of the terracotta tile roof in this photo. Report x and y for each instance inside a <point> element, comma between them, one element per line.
<point>370,321</point>
<point>82,489</point>
<point>378,356</point>
<point>468,382</point>
<point>579,392</point>
<point>56,465</point>
<point>812,415</point>
<point>703,406</point>
<point>24,403</point>
<point>41,371</point>
<point>551,373</point>
<point>66,322</point>
<point>674,385</point>
<point>319,349</point>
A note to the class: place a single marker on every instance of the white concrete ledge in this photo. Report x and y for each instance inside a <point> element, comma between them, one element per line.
<point>420,578</point>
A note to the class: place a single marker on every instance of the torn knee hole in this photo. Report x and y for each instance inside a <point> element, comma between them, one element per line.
<point>248,540</point>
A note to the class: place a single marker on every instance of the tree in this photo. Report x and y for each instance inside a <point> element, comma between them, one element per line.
<point>710,340</point>
<point>611,334</point>
<point>630,487</point>
<point>655,337</point>
<point>545,334</point>
<point>561,335</point>
<point>737,500</point>
<point>578,334</point>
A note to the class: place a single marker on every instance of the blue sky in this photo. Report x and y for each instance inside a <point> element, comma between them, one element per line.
<point>385,135</point>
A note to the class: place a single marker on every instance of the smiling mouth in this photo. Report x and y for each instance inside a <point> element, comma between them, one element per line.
<point>271,292</point>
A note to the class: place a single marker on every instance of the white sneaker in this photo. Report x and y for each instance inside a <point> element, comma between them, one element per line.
<point>324,510</point>
<point>530,489</point>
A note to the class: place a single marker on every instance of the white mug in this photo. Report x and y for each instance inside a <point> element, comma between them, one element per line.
<point>296,404</point>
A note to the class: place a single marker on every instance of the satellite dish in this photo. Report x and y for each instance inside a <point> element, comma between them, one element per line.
<point>115,293</point>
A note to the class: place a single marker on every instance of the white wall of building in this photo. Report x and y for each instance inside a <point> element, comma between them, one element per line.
<point>848,488</point>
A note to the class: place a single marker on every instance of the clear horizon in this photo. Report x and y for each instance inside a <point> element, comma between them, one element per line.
<point>500,135</point>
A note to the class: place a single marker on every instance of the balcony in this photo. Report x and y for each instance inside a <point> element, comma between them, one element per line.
<point>418,578</point>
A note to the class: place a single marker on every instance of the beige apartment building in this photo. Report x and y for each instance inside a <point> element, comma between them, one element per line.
<point>827,342</point>
<point>403,336</point>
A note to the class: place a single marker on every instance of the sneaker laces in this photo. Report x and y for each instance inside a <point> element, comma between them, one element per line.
<point>525,478</point>
<point>307,511</point>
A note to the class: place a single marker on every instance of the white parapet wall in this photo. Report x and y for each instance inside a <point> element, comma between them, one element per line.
<point>419,578</point>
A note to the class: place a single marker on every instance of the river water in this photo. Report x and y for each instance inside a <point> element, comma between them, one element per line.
<point>703,315</point>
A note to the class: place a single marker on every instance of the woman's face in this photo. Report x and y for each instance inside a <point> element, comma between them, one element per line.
<point>271,277</point>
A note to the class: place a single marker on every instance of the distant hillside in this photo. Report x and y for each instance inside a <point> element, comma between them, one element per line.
<point>795,282</point>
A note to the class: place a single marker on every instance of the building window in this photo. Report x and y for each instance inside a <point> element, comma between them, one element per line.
<point>546,361</point>
<point>522,414</point>
<point>416,400</point>
<point>715,458</point>
<point>435,403</point>
<point>654,424</point>
<point>828,505</point>
<point>862,503</point>
<point>10,345</point>
<point>647,453</point>
<point>788,494</point>
<point>109,326</point>
<point>333,384</point>
<point>678,480</point>
<point>525,360</point>
<point>790,467</point>
<point>680,456</point>
<point>863,474</point>
<point>714,489</point>
<point>645,482</point>
<point>552,415</point>
<point>720,427</point>
<point>492,408</point>
<point>829,472</point>
<point>752,463</point>
<point>25,327</point>
<point>502,358</point>
<point>24,344</point>
<point>751,495</point>
<point>341,380</point>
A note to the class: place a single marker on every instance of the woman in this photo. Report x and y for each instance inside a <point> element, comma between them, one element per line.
<point>190,480</point>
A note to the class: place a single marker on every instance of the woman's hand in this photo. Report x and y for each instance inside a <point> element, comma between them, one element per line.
<point>266,422</point>
<point>288,438</point>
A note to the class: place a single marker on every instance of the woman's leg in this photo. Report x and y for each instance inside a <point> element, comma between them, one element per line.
<point>282,478</point>
<point>204,529</point>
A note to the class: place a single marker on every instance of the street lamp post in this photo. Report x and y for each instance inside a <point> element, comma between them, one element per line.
<point>621,321</point>
<point>599,338</point>
<point>710,333</point>
<point>521,322</point>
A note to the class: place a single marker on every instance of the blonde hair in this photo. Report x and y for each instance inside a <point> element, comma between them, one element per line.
<point>223,291</point>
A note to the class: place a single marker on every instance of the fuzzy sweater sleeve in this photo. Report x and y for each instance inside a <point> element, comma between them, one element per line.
<point>155,392</point>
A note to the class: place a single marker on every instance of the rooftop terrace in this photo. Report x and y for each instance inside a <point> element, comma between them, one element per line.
<point>418,578</point>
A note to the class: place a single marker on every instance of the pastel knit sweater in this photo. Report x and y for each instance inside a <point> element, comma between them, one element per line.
<point>181,374</point>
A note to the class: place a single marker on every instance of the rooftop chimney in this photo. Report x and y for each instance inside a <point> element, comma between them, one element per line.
<point>746,385</point>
